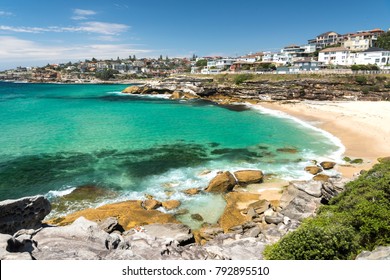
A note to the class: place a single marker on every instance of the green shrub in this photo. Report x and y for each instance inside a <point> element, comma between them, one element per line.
<point>387,85</point>
<point>361,80</point>
<point>381,78</point>
<point>316,239</point>
<point>240,78</point>
<point>366,89</point>
<point>357,219</point>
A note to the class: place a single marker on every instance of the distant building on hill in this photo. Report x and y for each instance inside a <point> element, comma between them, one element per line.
<point>361,40</point>
<point>326,39</point>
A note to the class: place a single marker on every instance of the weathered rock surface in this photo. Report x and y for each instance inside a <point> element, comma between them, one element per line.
<point>321,177</point>
<point>245,177</point>
<point>151,204</point>
<point>333,187</point>
<point>221,183</point>
<point>297,204</point>
<point>312,188</point>
<point>129,214</point>
<point>236,203</point>
<point>380,253</point>
<point>314,170</point>
<point>171,204</point>
<point>192,191</point>
<point>24,213</point>
<point>327,164</point>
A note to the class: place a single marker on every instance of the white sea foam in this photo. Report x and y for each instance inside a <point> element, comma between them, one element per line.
<point>60,193</point>
<point>152,96</point>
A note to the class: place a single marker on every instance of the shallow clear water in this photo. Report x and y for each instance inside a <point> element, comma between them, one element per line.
<point>57,137</point>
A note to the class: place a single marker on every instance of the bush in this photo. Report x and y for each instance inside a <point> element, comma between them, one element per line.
<point>361,80</point>
<point>240,78</point>
<point>357,219</point>
<point>316,239</point>
<point>368,67</point>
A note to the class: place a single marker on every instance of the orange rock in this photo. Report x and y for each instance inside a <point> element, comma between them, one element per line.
<point>129,214</point>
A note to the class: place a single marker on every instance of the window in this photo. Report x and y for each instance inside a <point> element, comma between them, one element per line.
<point>377,60</point>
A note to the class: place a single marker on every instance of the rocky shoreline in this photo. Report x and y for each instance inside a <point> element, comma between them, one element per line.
<point>184,87</point>
<point>139,232</point>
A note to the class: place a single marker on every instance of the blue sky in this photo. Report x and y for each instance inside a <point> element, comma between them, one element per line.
<point>39,32</point>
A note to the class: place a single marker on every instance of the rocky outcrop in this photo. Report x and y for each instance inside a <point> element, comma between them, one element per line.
<point>171,204</point>
<point>151,204</point>
<point>314,170</point>
<point>245,177</point>
<point>236,203</point>
<point>269,90</point>
<point>380,253</point>
<point>326,165</point>
<point>24,213</point>
<point>192,191</point>
<point>129,214</point>
<point>222,183</point>
<point>298,204</point>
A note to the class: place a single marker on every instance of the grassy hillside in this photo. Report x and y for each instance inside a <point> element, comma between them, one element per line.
<point>356,220</point>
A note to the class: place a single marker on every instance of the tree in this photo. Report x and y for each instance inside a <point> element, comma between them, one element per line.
<point>384,41</point>
<point>201,63</point>
<point>94,59</point>
<point>160,58</point>
<point>106,74</point>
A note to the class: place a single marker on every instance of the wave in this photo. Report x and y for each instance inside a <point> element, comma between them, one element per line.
<point>336,155</point>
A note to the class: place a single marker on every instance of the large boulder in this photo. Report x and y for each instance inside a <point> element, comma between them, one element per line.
<point>297,204</point>
<point>151,204</point>
<point>23,213</point>
<point>327,164</point>
<point>245,177</point>
<point>380,253</point>
<point>171,204</point>
<point>133,90</point>
<point>222,183</point>
<point>312,188</point>
<point>314,170</point>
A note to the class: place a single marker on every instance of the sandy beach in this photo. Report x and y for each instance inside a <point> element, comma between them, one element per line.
<point>362,126</point>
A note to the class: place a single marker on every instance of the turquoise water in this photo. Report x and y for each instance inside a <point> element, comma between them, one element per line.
<point>55,138</point>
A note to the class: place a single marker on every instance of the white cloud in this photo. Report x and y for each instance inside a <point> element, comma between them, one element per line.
<point>98,27</point>
<point>15,51</point>
<point>80,14</point>
<point>3,13</point>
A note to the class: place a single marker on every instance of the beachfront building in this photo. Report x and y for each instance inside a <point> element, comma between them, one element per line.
<point>374,56</point>
<point>361,40</point>
<point>326,39</point>
<point>299,66</point>
<point>278,58</point>
<point>335,56</point>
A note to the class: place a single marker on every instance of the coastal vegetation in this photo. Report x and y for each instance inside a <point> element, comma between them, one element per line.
<point>384,41</point>
<point>357,219</point>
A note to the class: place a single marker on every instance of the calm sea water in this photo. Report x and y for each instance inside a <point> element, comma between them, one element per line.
<point>54,138</point>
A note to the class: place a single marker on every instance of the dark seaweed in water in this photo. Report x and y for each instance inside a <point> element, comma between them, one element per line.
<point>163,158</point>
<point>31,175</point>
<point>38,174</point>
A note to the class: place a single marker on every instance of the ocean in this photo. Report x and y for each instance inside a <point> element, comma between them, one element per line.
<point>55,138</point>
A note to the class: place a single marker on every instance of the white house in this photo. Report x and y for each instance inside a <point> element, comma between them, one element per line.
<point>224,62</point>
<point>374,56</point>
<point>278,58</point>
<point>335,56</point>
